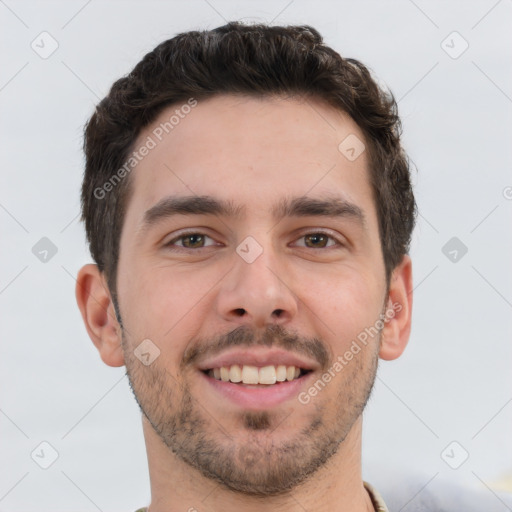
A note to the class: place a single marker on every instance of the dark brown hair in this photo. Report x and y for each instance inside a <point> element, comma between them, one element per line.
<point>257,60</point>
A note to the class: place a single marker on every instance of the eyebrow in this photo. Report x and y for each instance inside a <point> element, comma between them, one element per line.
<point>291,207</point>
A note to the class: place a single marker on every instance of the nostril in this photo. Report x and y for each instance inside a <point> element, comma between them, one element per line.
<point>240,311</point>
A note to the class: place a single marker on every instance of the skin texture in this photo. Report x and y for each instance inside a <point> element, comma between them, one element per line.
<point>196,298</point>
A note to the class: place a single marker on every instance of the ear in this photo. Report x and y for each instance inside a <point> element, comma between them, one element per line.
<point>397,327</point>
<point>98,314</point>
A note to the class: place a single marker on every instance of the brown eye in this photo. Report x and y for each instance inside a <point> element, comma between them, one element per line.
<point>316,240</point>
<point>193,241</point>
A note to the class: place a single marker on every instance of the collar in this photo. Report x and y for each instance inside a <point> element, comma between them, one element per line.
<point>378,502</point>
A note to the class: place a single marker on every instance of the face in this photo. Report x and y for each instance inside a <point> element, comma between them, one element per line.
<point>250,244</point>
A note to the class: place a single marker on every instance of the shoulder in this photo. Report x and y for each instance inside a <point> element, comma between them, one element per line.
<point>426,495</point>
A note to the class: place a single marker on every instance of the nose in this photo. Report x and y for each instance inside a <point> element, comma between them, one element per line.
<point>257,293</point>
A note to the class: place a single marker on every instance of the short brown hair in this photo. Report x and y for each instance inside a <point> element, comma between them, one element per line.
<point>257,60</point>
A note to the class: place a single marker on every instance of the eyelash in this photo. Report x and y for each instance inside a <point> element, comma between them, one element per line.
<point>188,233</point>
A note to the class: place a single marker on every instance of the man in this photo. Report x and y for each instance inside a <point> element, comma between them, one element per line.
<point>249,208</point>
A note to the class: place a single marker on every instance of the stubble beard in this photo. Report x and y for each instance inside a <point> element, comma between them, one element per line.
<point>254,463</point>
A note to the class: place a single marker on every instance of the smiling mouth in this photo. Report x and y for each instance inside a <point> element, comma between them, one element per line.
<point>253,375</point>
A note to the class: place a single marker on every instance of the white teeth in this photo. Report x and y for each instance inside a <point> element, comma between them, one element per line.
<point>248,374</point>
<point>224,374</point>
<point>268,375</point>
<point>235,373</point>
<point>281,373</point>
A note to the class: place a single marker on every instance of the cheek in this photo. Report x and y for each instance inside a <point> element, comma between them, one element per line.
<point>152,306</point>
<point>344,305</point>
<point>166,305</point>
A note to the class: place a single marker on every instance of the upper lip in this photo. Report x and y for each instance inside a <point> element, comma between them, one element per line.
<point>263,357</point>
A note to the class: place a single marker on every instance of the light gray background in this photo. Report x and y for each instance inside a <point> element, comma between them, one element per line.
<point>452,384</point>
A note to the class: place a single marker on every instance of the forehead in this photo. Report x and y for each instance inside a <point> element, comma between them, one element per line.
<point>251,150</point>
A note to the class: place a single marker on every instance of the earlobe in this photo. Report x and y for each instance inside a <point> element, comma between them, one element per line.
<point>97,309</point>
<point>397,328</point>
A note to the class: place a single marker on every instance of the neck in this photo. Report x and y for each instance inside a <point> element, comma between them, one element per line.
<point>175,486</point>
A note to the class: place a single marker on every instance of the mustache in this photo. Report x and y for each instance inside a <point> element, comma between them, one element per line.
<point>272,336</point>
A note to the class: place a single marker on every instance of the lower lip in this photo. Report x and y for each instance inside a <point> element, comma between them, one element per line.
<point>261,397</point>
